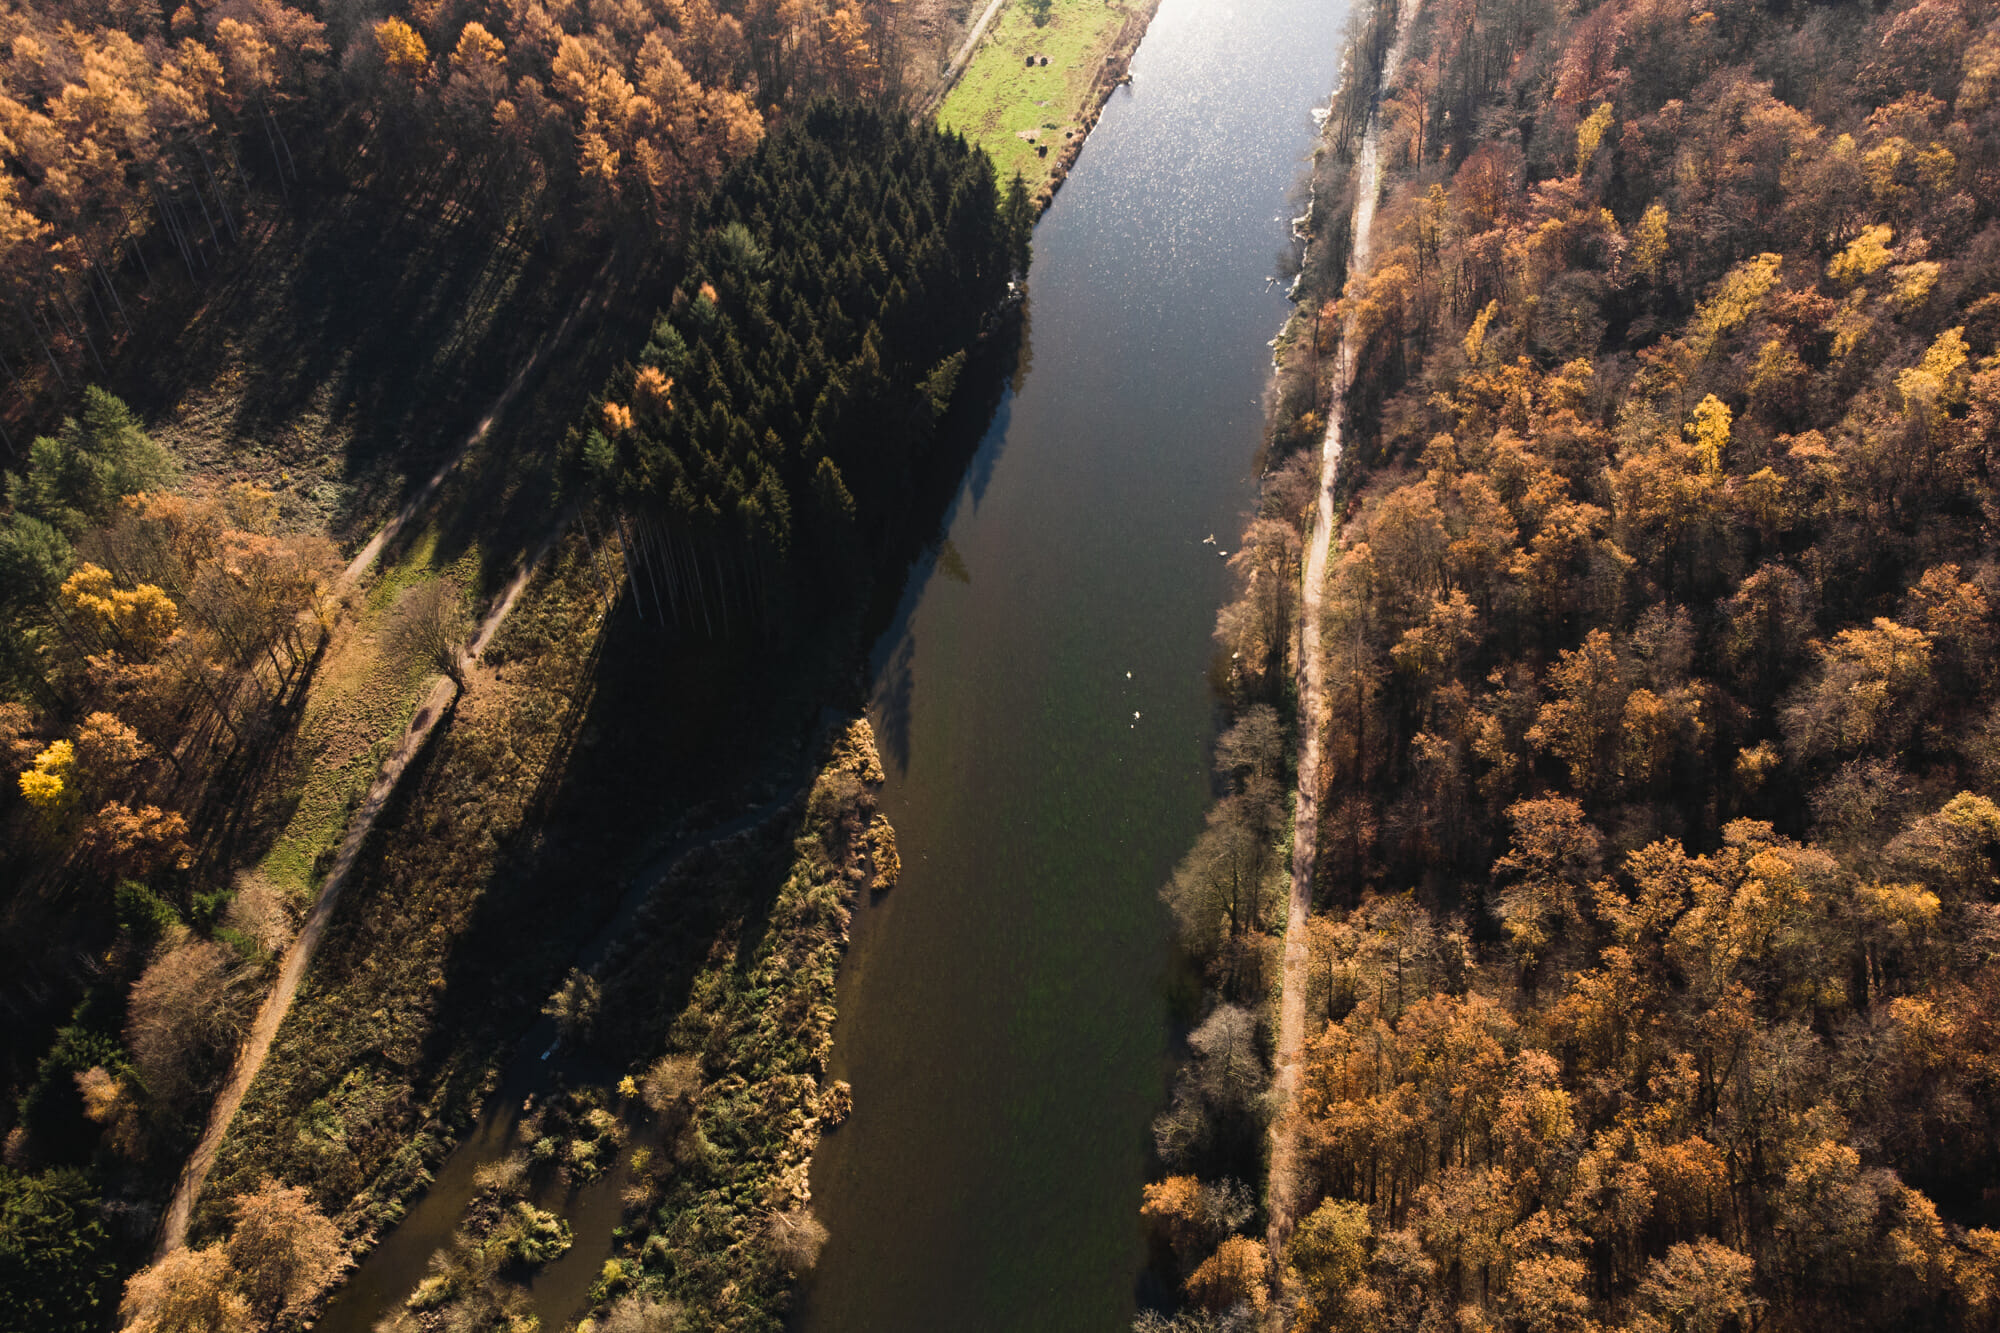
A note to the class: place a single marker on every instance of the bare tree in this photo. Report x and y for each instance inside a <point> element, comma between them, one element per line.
<point>187,1009</point>
<point>672,1083</point>
<point>285,1250</point>
<point>797,1237</point>
<point>432,624</point>
<point>636,1314</point>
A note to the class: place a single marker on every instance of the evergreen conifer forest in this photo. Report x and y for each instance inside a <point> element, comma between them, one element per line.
<point>769,430</point>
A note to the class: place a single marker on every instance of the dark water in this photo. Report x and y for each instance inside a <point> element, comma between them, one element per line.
<point>559,1291</point>
<point>1004,1018</point>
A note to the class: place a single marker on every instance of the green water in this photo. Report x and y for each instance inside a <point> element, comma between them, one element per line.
<point>1043,709</point>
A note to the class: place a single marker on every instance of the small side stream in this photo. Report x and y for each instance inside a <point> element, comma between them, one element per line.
<point>391,1271</point>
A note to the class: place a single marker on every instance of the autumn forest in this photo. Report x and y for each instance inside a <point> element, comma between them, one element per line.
<point>467,467</point>
<point>1651,972</point>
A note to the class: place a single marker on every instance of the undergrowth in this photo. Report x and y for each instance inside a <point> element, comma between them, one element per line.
<point>360,1096</point>
<point>720,1218</point>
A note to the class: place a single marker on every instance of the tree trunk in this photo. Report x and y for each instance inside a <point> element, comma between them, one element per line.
<point>265,119</point>
<point>283,142</point>
<point>700,588</point>
<point>656,571</point>
<point>174,232</point>
<point>235,162</point>
<point>47,351</point>
<point>103,272</point>
<point>202,204</point>
<point>221,205</point>
<point>625,554</point>
<point>95,299</point>
<point>82,328</point>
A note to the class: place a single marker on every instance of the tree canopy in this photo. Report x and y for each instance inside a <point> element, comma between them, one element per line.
<point>768,431</point>
<point>1652,963</point>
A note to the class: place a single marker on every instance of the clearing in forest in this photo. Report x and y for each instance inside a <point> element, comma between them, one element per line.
<point>1011,109</point>
<point>361,702</point>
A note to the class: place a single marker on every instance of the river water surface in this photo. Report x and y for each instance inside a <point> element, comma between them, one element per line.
<point>1042,704</point>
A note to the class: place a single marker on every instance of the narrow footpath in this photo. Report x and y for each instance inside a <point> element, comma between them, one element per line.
<point>298,954</point>
<point>1312,682</point>
<point>959,61</point>
<point>598,290</point>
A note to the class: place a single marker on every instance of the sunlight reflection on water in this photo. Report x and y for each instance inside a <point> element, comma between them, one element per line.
<point>1002,1012</point>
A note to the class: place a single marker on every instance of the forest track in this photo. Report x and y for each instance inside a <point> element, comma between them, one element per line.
<point>596,292</point>
<point>298,954</point>
<point>962,59</point>
<point>1283,1179</point>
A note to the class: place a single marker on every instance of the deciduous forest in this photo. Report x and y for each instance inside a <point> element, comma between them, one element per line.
<point>1653,957</point>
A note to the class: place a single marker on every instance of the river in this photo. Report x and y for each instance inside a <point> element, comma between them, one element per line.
<point>1044,713</point>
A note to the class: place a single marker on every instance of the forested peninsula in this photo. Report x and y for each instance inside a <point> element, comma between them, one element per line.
<point>1652,960</point>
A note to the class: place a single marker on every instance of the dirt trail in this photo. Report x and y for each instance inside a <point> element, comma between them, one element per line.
<point>597,291</point>
<point>1312,684</point>
<point>964,56</point>
<point>299,954</point>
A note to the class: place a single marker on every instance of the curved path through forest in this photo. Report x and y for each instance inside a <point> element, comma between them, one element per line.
<point>1312,681</point>
<point>299,953</point>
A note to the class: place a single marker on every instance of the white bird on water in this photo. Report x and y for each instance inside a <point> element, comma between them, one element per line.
<point>1209,540</point>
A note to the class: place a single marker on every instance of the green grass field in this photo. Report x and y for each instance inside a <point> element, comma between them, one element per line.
<point>999,101</point>
<point>361,704</point>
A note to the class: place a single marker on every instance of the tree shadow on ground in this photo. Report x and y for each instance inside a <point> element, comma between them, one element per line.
<point>346,339</point>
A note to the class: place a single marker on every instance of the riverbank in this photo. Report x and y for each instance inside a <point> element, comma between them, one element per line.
<point>717,1000</point>
<point>1227,1118</point>
<point>1032,91</point>
<point>1281,1190</point>
<point>723,1212</point>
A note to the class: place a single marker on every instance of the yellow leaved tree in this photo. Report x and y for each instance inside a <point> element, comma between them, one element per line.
<point>402,49</point>
<point>139,620</point>
<point>49,784</point>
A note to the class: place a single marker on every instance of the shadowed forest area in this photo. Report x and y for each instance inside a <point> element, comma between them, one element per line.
<point>280,280</point>
<point>1653,955</point>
